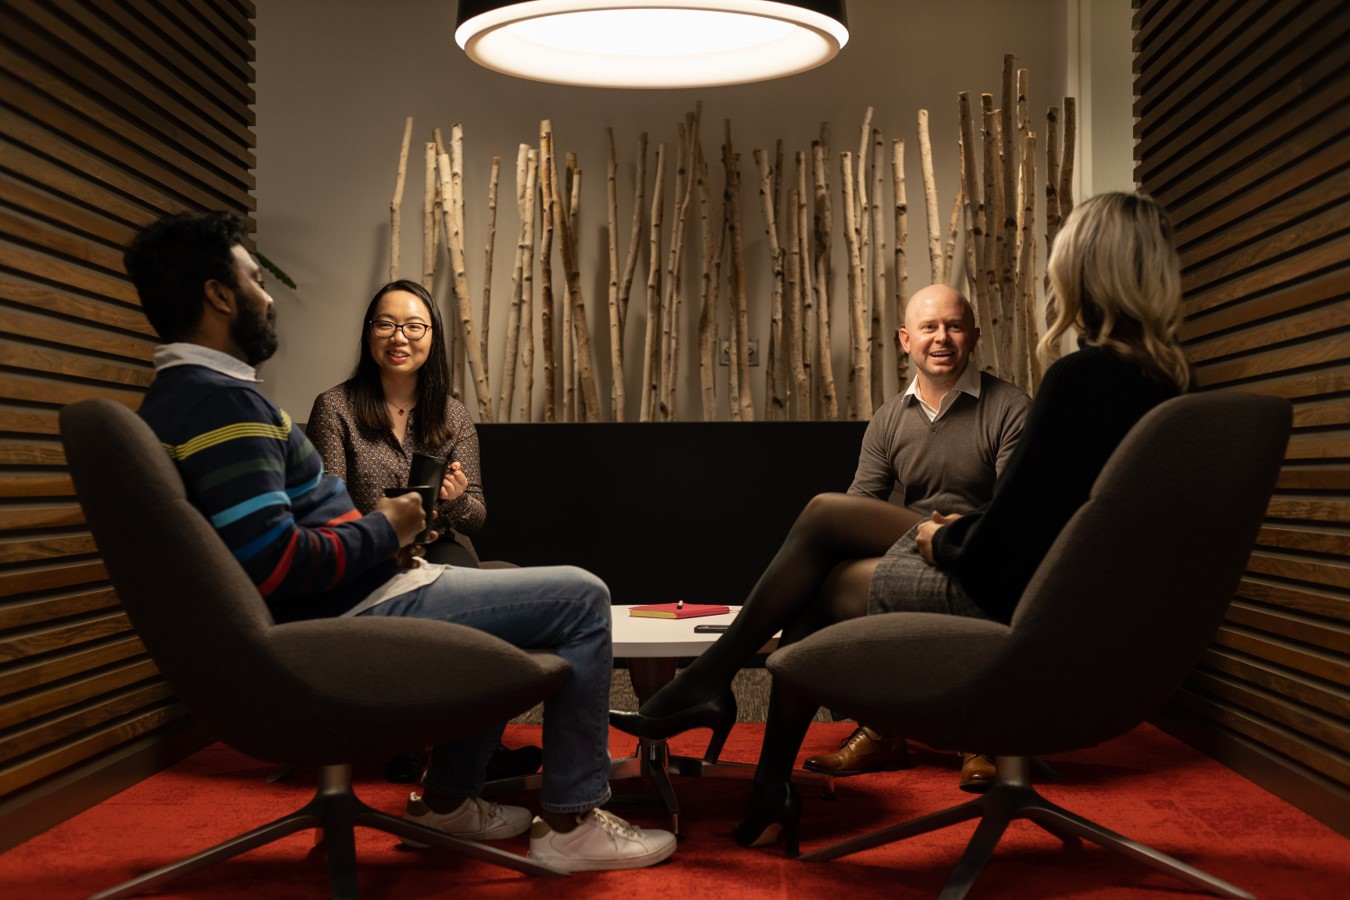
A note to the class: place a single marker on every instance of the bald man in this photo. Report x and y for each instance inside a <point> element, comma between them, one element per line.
<point>935,448</point>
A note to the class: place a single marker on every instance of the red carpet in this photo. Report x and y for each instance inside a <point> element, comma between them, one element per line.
<point>1145,785</point>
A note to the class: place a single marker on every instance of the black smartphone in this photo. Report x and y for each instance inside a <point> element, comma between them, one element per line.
<point>709,629</point>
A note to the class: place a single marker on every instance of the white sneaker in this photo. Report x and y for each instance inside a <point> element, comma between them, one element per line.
<point>600,841</point>
<point>476,819</point>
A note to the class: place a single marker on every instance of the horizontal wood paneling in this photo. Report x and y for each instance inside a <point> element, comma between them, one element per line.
<point>112,114</point>
<point>1243,119</point>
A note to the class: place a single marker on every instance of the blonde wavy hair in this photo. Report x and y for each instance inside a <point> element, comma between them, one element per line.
<point>1115,273</point>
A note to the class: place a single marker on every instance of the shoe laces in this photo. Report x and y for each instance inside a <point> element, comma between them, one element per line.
<point>857,737</point>
<point>486,808</point>
<point>614,825</point>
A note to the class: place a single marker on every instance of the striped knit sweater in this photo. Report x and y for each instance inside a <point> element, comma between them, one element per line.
<point>259,481</point>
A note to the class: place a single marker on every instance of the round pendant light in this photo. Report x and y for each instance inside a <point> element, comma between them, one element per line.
<point>651,43</point>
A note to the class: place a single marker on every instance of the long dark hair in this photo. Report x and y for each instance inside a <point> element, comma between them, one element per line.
<point>366,394</point>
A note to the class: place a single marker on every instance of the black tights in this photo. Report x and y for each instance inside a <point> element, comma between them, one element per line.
<point>819,576</point>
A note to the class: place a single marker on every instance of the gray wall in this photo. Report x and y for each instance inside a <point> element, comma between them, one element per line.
<point>335,82</point>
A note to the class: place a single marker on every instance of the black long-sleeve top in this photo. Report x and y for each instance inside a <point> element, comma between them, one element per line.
<point>1086,404</point>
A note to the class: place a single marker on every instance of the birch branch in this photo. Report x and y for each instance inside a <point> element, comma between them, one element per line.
<point>708,291</point>
<point>806,398</point>
<point>863,211</point>
<point>652,344</point>
<point>527,286</point>
<point>511,351</point>
<point>938,274</point>
<point>775,402</point>
<point>878,254</point>
<point>901,257</point>
<point>1026,325</point>
<point>993,238</point>
<point>453,345</point>
<point>616,398</point>
<point>739,308</point>
<point>493,178</point>
<point>670,298</point>
<point>396,204</point>
<point>1009,159</point>
<point>635,232</point>
<point>829,400</point>
<point>859,385</point>
<point>461,283</point>
<point>970,178</point>
<point>1052,217</point>
<point>431,206</point>
<point>563,222</point>
<point>792,311</point>
<point>580,334</point>
<point>954,227</point>
<point>546,275</point>
<point>1066,159</point>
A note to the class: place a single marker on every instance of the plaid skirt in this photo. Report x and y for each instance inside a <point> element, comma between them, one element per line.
<point>905,582</point>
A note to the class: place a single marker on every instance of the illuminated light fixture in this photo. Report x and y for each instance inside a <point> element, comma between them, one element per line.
<point>651,43</point>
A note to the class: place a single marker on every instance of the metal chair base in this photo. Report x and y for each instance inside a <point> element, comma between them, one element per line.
<point>1012,797</point>
<point>334,811</point>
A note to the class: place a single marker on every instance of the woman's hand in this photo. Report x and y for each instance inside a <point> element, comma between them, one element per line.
<point>924,536</point>
<point>455,483</point>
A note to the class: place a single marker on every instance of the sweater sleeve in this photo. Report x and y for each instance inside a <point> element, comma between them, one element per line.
<point>1010,427</point>
<point>259,482</point>
<point>875,476</point>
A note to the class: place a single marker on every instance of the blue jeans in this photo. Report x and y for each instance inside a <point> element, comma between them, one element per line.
<point>562,609</point>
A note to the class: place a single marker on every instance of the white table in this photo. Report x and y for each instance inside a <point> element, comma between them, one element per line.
<point>645,637</point>
<point>652,647</point>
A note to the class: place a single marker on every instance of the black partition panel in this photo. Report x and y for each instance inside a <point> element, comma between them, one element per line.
<point>660,511</point>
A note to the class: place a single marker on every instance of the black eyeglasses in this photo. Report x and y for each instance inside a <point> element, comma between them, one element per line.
<point>413,331</point>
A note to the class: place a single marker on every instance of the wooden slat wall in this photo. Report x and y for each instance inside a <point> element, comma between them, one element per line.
<point>1243,115</point>
<point>112,113</point>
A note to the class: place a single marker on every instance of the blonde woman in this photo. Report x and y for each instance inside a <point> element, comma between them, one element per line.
<point>1116,276</point>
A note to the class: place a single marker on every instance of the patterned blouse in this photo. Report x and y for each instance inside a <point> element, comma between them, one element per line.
<point>370,463</point>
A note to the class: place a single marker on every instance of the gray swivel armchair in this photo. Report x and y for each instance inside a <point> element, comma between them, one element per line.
<point>326,692</point>
<point>1113,621</point>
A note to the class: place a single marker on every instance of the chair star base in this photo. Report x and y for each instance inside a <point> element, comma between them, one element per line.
<point>1010,797</point>
<point>334,811</point>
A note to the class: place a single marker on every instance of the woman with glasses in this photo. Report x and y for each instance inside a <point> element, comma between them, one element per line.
<point>396,403</point>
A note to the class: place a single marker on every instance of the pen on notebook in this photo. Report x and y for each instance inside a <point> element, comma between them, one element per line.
<point>679,604</point>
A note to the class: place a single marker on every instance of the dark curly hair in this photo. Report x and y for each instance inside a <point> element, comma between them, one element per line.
<point>170,260</point>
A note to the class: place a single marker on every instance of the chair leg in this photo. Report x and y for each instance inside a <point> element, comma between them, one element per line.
<point>299,820</point>
<point>923,824</point>
<point>1104,837</point>
<point>334,810</point>
<point>993,823</point>
<point>1010,797</point>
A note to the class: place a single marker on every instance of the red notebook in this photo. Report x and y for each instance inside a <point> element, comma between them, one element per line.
<point>670,611</point>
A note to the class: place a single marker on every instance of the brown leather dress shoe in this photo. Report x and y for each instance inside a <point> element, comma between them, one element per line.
<point>862,751</point>
<point>977,772</point>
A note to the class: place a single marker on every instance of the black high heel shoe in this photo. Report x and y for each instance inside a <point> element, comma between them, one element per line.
<point>718,714</point>
<point>777,815</point>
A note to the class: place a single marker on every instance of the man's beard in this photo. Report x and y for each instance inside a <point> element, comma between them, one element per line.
<point>254,332</point>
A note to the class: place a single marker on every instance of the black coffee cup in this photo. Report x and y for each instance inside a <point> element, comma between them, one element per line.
<point>427,469</point>
<point>428,494</point>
